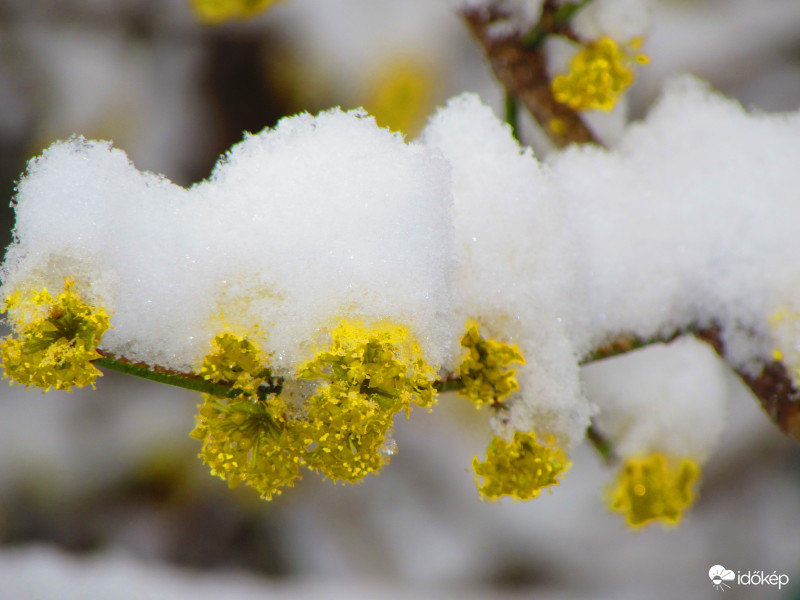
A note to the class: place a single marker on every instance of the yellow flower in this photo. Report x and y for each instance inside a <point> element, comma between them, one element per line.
<point>251,441</point>
<point>484,370</point>
<point>345,433</point>
<point>402,96</point>
<point>370,373</point>
<point>57,339</point>
<point>236,360</point>
<point>654,488</point>
<point>217,11</point>
<point>520,468</point>
<point>598,74</point>
<point>247,438</point>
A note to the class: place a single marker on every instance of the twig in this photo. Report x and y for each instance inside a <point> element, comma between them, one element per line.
<point>523,73</point>
<point>512,114</point>
<point>773,386</point>
<point>187,381</point>
<point>602,444</point>
<point>554,21</point>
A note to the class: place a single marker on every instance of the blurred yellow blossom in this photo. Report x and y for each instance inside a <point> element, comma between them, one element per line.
<point>598,74</point>
<point>55,339</point>
<point>520,468</point>
<point>654,488</point>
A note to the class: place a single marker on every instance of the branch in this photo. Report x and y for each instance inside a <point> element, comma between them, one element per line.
<point>512,115</point>
<point>520,64</point>
<point>188,381</point>
<point>773,386</point>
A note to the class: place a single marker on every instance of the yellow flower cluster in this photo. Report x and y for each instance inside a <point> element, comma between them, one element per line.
<point>57,339</point>
<point>217,11</point>
<point>520,468</point>
<point>598,74</point>
<point>371,373</point>
<point>484,370</point>
<point>247,438</point>
<point>653,488</point>
<point>237,361</point>
<point>368,374</point>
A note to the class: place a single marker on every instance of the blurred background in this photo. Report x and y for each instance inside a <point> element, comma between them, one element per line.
<point>101,493</point>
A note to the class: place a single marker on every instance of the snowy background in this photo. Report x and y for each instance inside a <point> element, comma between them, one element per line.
<point>101,494</point>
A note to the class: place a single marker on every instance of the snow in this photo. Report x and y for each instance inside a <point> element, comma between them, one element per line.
<point>515,254</point>
<point>688,223</point>
<point>321,218</point>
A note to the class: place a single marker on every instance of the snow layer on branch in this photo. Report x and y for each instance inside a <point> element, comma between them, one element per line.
<point>692,220</point>
<point>515,262</point>
<point>321,218</point>
<point>689,222</point>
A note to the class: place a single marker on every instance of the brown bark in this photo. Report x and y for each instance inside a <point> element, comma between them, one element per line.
<point>523,72</point>
<point>773,387</point>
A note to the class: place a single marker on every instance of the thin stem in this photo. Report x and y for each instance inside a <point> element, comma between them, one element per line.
<point>512,114</point>
<point>602,444</point>
<point>448,384</point>
<point>187,381</point>
<point>555,21</point>
<point>627,343</point>
<point>773,386</point>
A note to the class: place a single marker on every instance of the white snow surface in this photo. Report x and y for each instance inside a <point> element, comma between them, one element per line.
<point>515,261</point>
<point>321,218</point>
<point>689,221</point>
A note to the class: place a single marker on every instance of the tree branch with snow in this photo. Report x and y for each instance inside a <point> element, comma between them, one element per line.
<point>330,274</point>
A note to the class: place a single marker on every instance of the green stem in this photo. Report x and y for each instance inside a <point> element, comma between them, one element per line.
<point>602,444</point>
<point>512,114</point>
<point>628,343</point>
<point>553,22</point>
<point>183,380</point>
<point>448,384</point>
